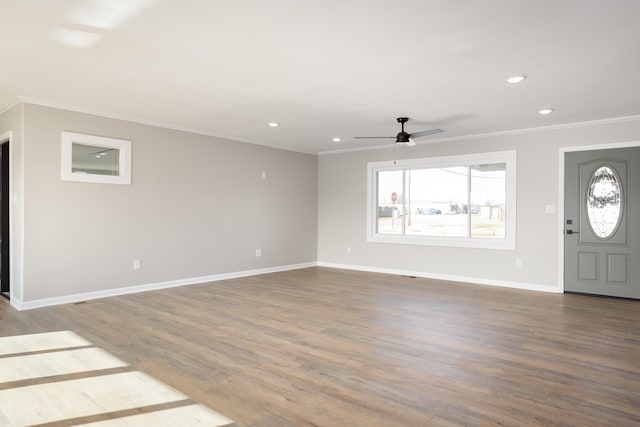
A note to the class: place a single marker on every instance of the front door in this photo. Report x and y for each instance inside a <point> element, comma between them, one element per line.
<point>602,222</point>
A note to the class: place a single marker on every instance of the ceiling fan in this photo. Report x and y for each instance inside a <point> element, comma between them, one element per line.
<point>404,137</point>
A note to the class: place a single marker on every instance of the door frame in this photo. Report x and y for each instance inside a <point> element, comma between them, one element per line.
<point>6,138</point>
<point>563,152</point>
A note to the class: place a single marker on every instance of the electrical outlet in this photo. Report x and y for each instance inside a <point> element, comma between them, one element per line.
<point>258,252</point>
<point>518,262</point>
<point>264,175</point>
<point>136,264</point>
<point>348,249</point>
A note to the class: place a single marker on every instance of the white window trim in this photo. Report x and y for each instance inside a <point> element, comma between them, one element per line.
<point>124,158</point>
<point>508,243</point>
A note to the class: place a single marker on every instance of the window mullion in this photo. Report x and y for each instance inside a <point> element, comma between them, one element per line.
<point>469,201</point>
<point>377,202</point>
<point>405,199</point>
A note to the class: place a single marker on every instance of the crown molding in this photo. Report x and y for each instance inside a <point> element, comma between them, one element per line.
<point>138,120</point>
<point>8,106</point>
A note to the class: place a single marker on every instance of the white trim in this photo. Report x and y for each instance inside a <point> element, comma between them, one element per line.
<point>6,137</point>
<point>507,243</point>
<point>124,158</point>
<point>46,302</point>
<point>612,120</point>
<point>9,105</point>
<point>15,302</point>
<point>561,171</point>
<point>77,109</point>
<point>19,195</point>
<point>561,156</point>
<point>447,277</point>
<point>16,204</point>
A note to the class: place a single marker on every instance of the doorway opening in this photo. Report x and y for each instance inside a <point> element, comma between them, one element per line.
<point>5,289</point>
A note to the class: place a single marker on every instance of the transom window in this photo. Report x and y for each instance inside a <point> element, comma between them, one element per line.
<point>96,159</point>
<point>466,201</point>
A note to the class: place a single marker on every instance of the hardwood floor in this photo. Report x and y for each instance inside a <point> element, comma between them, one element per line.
<point>325,347</point>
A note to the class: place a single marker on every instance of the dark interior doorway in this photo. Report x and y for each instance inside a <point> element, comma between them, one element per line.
<point>4,220</point>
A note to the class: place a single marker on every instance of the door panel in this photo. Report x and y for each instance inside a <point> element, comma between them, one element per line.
<point>602,223</point>
<point>587,266</point>
<point>618,267</point>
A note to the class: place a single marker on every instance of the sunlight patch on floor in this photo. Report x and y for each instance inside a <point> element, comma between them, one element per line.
<point>45,378</point>
<point>17,368</point>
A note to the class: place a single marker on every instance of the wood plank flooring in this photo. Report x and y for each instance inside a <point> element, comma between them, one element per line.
<point>325,347</point>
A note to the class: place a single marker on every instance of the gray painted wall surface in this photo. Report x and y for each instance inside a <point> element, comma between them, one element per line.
<point>343,193</point>
<point>197,206</point>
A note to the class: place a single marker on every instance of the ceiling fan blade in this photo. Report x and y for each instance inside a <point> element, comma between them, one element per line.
<point>371,137</point>
<point>425,133</point>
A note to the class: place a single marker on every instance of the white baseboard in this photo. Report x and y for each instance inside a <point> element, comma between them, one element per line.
<point>67,299</point>
<point>449,277</point>
<point>46,302</point>
<point>15,303</point>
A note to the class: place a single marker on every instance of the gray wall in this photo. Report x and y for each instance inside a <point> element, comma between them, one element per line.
<point>342,209</point>
<point>197,207</point>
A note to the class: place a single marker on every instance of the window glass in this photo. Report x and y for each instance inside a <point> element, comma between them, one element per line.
<point>436,202</point>
<point>488,200</point>
<point>95,160</point>
<point>390,202</point>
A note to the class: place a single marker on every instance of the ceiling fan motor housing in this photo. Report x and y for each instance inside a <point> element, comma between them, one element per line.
<point>403,137</point>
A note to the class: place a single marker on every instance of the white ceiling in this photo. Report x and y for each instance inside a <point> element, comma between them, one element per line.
<point>327,68</point>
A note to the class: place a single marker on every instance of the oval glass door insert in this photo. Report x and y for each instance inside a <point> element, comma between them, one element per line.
<point>604,202</point>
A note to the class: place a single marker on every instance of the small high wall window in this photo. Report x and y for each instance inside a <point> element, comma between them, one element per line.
<point>460,201</point>
<point>89,158</point>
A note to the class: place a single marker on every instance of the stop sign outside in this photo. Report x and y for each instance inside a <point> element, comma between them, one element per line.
<point>394,197</point>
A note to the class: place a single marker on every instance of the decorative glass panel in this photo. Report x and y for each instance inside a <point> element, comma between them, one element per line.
<point>604,202</point>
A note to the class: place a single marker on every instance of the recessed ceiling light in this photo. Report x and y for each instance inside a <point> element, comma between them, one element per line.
<point>545,111</point>
<point>274,124</point>
<point>336,139</point>
<point>516,79</point>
